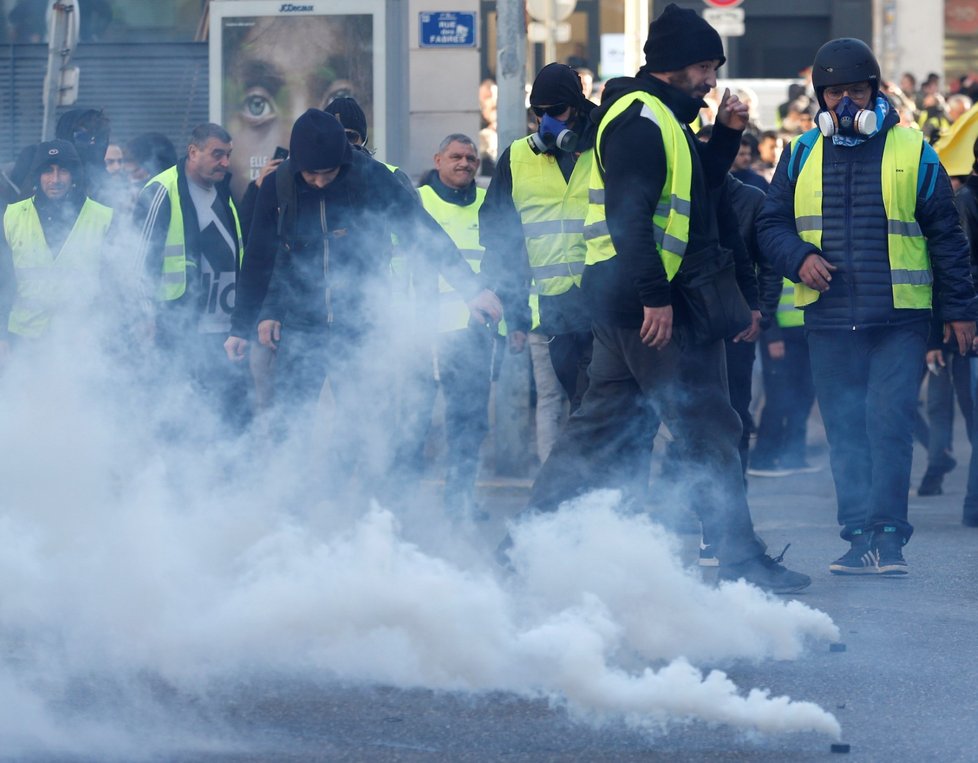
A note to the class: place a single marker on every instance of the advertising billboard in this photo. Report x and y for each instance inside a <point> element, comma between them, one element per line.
<point>272,60</point>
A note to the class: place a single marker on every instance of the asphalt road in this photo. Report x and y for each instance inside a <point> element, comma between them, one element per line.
<point>904,689</point>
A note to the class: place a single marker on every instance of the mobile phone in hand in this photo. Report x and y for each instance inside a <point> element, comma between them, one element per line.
<point>281,153</point>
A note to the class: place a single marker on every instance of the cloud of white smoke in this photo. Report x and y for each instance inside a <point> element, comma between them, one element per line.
<point>128,554</point>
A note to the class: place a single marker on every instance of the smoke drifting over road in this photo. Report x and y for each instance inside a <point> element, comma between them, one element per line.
<point>131,556</point>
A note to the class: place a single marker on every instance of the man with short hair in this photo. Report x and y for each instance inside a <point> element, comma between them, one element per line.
<point>463,351</point>
<point>652,242</point>
<point>861,219</point>
<point>52,248</point>
<point>190,254</point>
<point>743,166</point>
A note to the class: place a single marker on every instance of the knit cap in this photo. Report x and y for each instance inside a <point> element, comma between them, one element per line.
<point>58,152</point>
<point>318,142</point>
<point>351,116</point>
<point>554,84</point>
<point>678,38</point>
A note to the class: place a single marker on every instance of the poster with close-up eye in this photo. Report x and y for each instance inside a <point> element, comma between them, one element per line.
<point>272,60</point>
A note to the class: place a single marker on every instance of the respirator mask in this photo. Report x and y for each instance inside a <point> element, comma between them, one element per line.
<point>552,133</point>
<point>846,119</point>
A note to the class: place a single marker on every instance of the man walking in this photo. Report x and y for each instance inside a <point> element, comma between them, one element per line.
<point>191,250</point>
<point>316,282</point>
<point>651,244</point>
<point>861,218</point>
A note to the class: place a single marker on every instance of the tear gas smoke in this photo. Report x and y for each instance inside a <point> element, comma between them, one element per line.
<point>139,546</point>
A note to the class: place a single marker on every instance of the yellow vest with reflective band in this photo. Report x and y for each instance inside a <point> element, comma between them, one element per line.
<point>46,282</point>
<point>462,226</point>
<point>789,316</point>
<point>671,216</point>
<point>910,271</point>
<point>173,284</point>
<point>552,212</point>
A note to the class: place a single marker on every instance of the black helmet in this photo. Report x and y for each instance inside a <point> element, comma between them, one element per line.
<point>841,61</point>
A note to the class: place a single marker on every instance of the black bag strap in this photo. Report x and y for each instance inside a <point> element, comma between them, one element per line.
<point>285,191</point>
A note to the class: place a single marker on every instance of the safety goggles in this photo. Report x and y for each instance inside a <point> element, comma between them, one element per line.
<point>554,111</point>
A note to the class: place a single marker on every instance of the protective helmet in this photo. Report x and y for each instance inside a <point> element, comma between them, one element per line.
<point>841,61</point>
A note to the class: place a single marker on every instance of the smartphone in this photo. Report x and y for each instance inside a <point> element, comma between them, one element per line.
<point>281,153</point>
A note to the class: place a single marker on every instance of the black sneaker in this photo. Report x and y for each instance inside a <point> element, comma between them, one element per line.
<point>888,546</point>
<point>860,559</point>
<point>766,573</point>
<point>931,484</point>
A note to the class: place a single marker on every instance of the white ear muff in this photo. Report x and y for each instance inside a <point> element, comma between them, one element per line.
<point>828,123</point>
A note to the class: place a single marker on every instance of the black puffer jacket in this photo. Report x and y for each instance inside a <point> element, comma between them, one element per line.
<point>854,239</point>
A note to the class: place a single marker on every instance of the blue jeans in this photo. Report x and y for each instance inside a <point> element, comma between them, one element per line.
<point>971,497</point>
<point>867,383</point>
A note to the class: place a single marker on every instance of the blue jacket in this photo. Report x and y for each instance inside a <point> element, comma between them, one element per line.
<point>854,239</point>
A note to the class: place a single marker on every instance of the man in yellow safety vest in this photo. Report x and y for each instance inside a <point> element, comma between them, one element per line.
<point>190,252</point>
<point>652,242</point>
<point>861,219</point>
<point>51,253</point>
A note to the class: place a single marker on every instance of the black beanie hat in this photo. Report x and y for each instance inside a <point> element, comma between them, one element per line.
<point>318,143</point>
<point>678,38</point>
<point>556,83</point>
<point>351,116</point>
<point>59,152</point>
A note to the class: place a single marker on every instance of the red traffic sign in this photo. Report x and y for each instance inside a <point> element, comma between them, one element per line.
<point>723,3</point>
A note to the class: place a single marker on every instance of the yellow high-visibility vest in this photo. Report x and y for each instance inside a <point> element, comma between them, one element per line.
<point>173,284</point>
<point>671,215</point>
<point>462,226</point>
<point>47,281</point>
<point>552,212</point>
<point>910,270</point>
<point>789,316</point>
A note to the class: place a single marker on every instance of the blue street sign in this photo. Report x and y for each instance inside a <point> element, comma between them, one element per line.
<point>446,29</point>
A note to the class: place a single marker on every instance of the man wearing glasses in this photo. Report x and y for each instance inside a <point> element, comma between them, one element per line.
<point>861,218</point>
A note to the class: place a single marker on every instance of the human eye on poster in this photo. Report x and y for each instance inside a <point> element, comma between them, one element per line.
<point>272,60</point>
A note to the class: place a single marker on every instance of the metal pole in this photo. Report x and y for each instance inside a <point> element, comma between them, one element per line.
<point>58,56</point>
<point>636,30</point>
<point>511,431</point>
<point>510,71</point>
<point>550,43</point>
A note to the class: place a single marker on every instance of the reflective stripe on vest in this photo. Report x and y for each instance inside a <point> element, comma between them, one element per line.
<point>671,215</point>
<point>910,271</point>
<point>173,280</point>
<point>552,213</point>
<point>462,226</point>
<point>47,283</point>
<point>789,316</point>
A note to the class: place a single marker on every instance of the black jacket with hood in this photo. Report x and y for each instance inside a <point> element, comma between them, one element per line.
<point>634,171</point>
<point>333,267</point>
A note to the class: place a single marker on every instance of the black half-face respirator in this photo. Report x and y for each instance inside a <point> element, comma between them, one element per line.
<point>846,119</point>
<point>552,134</point>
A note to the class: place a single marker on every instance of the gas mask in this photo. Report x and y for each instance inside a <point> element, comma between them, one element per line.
<point>552,133</point>
<point>846,119</point>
